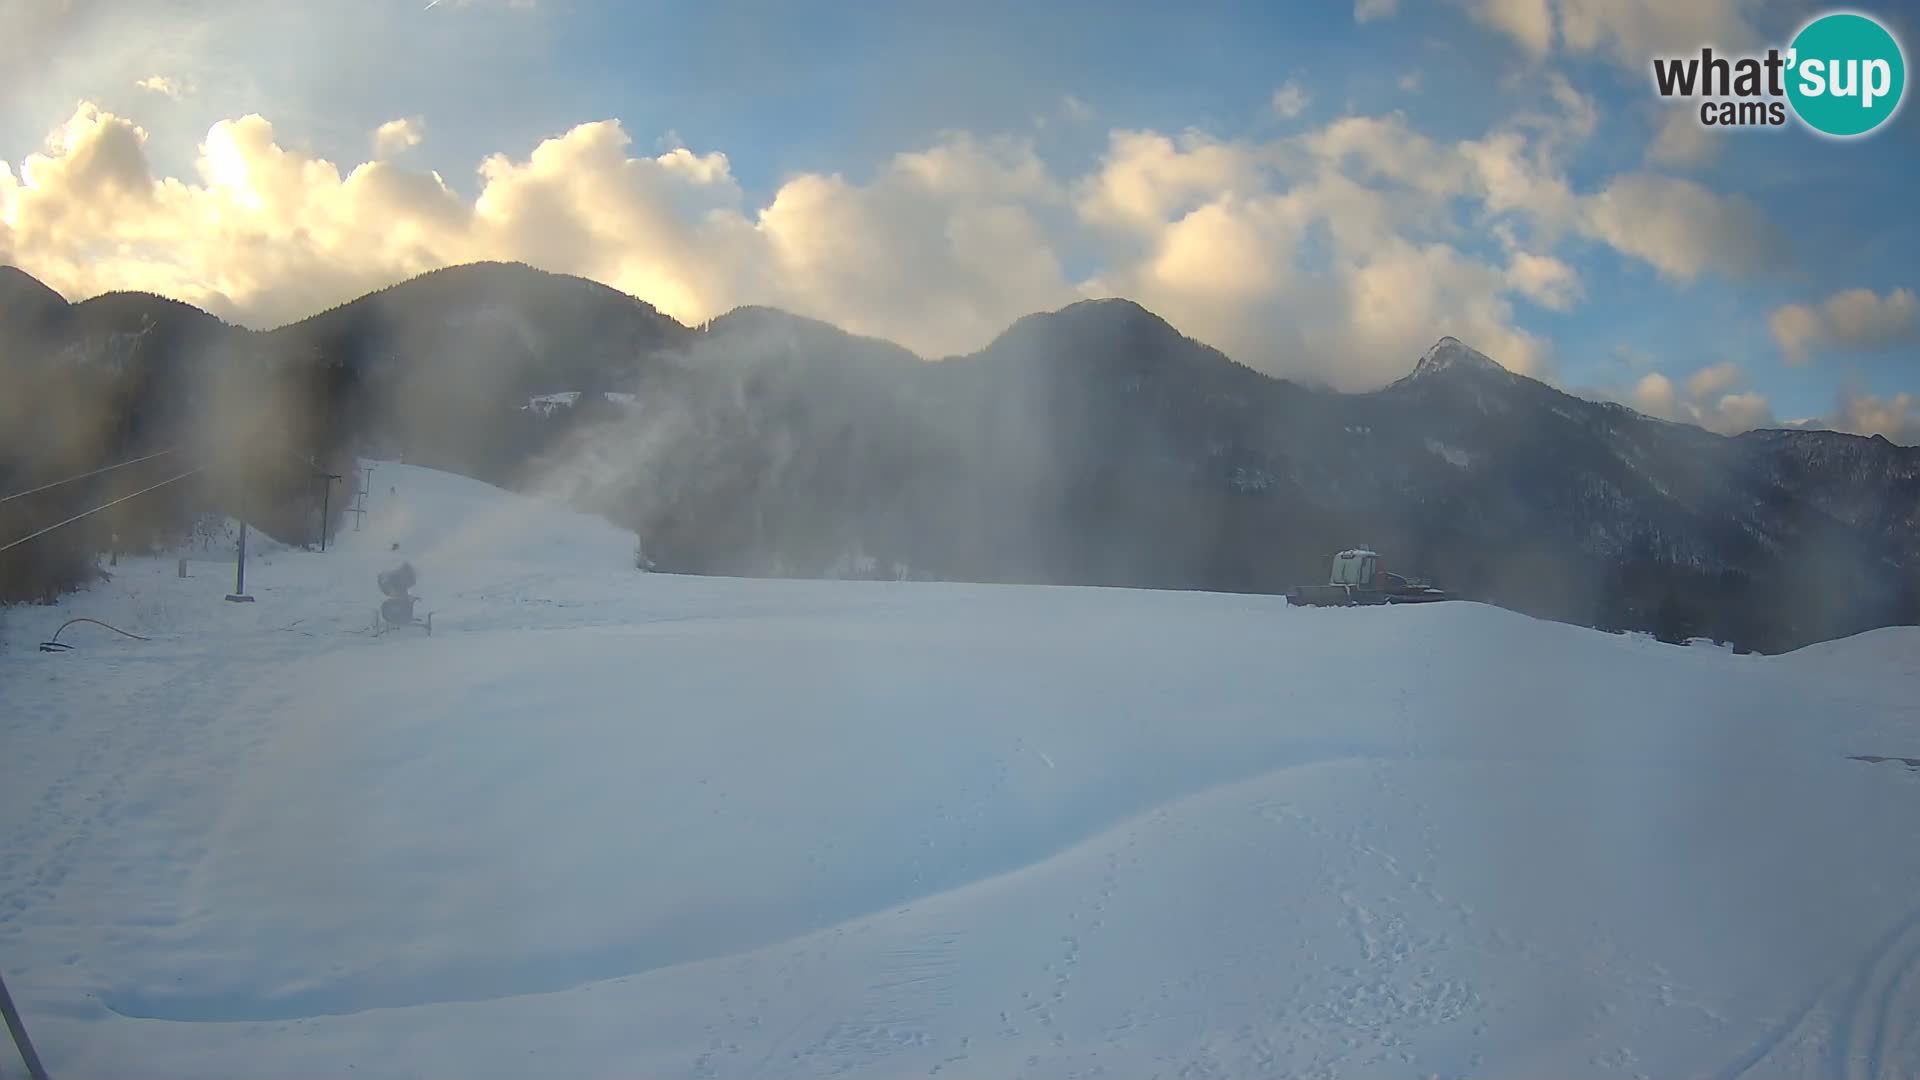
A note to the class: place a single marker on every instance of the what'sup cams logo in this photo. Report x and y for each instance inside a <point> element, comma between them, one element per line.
<point>1843,75</point>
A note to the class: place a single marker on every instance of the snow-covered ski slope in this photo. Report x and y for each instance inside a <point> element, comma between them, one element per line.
<point>605,823</point>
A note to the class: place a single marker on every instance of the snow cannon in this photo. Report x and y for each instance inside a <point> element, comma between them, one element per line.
<point>397,581</point>
<point>397,609</point>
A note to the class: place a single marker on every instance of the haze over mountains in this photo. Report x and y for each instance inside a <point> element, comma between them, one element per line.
<point>1091,445</point>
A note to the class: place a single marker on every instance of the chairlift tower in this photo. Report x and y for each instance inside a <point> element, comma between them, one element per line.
<point>363,484</point>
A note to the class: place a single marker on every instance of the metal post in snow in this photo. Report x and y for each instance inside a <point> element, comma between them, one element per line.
<point>326,493</point>
<point>18,1028</point>
<point>239,594</point>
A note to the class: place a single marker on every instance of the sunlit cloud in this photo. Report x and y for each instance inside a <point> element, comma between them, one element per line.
<point>1683,229</point>
<point>162,85</point>
<point>1334,254</point>
<point>1856,320</point>
<point>1626,32</point>
<point>398,136</point>
<point>1711,398</point>
<point>1897,417</point>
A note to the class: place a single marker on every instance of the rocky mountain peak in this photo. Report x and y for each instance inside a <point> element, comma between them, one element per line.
<point>1451,354</point>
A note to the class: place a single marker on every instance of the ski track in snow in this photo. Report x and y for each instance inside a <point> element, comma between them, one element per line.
<point>1877,1016</point>
<point>618,823</point>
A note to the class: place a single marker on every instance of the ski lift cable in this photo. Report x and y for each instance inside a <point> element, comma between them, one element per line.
<point>89,513</point>
<point>84,475</point>
<point>308,462</point>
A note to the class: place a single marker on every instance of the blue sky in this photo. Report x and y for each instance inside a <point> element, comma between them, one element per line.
<point>820,91</point>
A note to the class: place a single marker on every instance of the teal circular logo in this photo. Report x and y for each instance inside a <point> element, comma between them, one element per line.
<point>1846,74</point>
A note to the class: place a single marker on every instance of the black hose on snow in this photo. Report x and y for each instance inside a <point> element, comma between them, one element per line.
<point>54,644</point>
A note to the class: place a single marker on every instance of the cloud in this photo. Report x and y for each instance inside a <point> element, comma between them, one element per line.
<point>1369,10</point>
<point>1517,172</point>
<point>263,234</point>
<point>1857,320</point>
<point>1797,328</point>
<point>1514,171</point>
<point>1896,417</point>
<point>1527,22</point>
<point>939,250</point>
<point>398,136</point>
<point>1358,325</point>
<point>1290,100</point>
<point>1735,413</point>
<point>1682,229</point>
<point>1545,280</point>
<point>666,227</point>
<point>1148,176</point>
<point>162,85</point>
<point>1709,400</point>
<point>1655,396</point>
<point>1632,32</point>
<point>94,155</point>
<point>1710,382</point>
<point>1514,176</point>
<point>1683,141</point>
<point>1326,256</point>
<point>1384,148</point>
<point>1628,32</point>
<point>1330,255</point>
<point>1577,117</point>
<point>1334,254</point>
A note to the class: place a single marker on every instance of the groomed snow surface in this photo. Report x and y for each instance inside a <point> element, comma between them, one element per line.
<point>605,823</point>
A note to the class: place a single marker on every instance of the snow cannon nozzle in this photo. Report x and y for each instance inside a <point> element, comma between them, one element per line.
<point>397,581</point>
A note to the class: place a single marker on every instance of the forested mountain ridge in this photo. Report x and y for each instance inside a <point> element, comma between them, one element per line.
<point>1092,445</point>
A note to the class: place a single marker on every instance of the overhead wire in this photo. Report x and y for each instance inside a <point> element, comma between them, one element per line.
<point>36,534</point>
<point>85,475</point>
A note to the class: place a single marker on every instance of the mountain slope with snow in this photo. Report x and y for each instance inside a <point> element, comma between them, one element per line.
<point>608,823</point>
